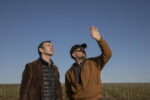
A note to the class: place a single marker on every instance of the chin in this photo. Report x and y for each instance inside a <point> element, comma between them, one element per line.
<point>82,57</point>
<point>51,54</point>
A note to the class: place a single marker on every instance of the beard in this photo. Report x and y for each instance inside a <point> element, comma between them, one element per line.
<point>82,58</point>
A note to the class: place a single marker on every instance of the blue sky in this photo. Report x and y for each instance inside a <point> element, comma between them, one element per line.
<point>124,24</point>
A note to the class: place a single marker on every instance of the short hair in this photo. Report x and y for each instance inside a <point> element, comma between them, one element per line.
<point>41,46</point>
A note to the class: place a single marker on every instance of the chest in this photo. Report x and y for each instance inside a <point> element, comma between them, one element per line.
<point>89,74</point>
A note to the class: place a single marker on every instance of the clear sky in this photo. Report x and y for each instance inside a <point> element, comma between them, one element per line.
<point>124,24</point>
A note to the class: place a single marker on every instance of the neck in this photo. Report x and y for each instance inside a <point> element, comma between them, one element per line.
<point>46,58</point>
<point>78,61</point>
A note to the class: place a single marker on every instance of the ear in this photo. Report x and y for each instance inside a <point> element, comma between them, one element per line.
<point>74,55</point>
<point>41,50</point>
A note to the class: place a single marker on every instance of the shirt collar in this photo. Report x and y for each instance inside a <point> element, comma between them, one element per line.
<point>45,62</point>
<point>81,64</point>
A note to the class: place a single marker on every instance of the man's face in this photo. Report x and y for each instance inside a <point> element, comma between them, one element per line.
<point>79,53</point>
<point>47,49</point>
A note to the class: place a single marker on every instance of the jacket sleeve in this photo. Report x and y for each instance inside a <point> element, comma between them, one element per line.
<point>105,56</point>
<point>59,88</point>
<point>25,83</point>
<point>67,88</point>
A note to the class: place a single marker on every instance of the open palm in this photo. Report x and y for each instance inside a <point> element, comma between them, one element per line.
<point>94,33</point>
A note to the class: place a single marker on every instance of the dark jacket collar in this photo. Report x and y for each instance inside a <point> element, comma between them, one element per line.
<point>45,62</point>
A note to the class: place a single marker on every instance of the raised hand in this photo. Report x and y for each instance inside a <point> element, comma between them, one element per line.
<point>94,33</point>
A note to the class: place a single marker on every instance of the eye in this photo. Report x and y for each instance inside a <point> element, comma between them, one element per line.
<point>49,45</point>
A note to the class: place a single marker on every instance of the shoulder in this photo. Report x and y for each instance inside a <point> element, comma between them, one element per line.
<point>90,59</point>
<point>67,74</point>
<point>55,67</point>
<point>33,63</point>
<point>70,70</point>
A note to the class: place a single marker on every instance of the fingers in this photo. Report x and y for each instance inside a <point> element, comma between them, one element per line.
<point>93,28</point>
<point>94,33</point>
<point>96,29</point>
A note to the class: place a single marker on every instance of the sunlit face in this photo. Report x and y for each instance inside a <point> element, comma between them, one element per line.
<point>47,49</point>
<point>79,53</point>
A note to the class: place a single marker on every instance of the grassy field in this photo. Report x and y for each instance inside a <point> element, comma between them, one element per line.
<point>111,91</point>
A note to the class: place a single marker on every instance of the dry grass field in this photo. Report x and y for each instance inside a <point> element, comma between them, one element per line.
<point>111,91</point>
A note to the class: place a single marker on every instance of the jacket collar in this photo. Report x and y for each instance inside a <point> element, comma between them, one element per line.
<point>45,62</point>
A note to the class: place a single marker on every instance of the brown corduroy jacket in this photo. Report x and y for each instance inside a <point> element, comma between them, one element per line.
<point>91,88</point>
<point>32,80</point>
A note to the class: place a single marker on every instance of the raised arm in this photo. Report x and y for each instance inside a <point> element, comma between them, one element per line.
<point>106,51</point>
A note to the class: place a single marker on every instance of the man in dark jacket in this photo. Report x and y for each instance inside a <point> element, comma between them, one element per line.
<point>82,80</point>
<point>40,79</point>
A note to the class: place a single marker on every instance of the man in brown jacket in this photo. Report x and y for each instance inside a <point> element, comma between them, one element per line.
<point>40,79</point>
<point>82,80</point>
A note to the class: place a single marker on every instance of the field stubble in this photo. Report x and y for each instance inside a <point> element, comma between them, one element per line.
<point>111,91</point>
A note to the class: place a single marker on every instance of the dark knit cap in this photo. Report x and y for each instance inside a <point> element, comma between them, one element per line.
<point>74,47</point>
